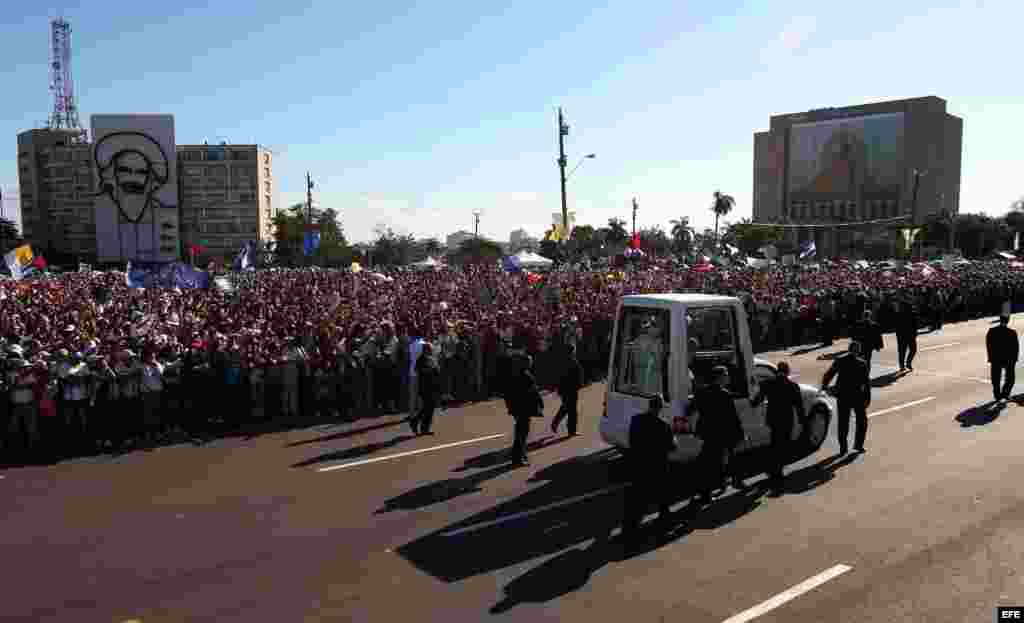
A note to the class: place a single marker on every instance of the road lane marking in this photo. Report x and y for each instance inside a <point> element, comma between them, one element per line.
<point>789,594</point>
<point>541,509</point>
<point>902,406</point>
<point>409,453</point>
<point>938,346</point>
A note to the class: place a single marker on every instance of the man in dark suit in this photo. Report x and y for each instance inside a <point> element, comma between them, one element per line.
<point>719,428</point>
<point>428,382</point>
<point>907,324</point>
<point>854,393</point>
<point>869,334</point>
<point>784,401</point>
<point>650,442</point>
<point>523,399</point>
<point>569,389</point>
<point>1003,349</point>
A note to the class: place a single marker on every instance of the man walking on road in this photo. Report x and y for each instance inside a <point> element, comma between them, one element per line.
<point>720,430</point>
<point>569,390</point>
<point>869,334</point>
<point>428,381</point>
<point>1003,351</point>
<point>854,393</point>
<point>524,402</point>
<point>907,325</point>
<point>784,401</point>
<point>650,441</point>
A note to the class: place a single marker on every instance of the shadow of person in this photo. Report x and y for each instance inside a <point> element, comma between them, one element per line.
<point>813,476</point>
<point>980,415</point>
<point>496,457</point>
<point>347,433</point>
<point>354,453</point>
<point>831,356</point>
<point>808,349</point>
<point>557,576</point>
<point>443,490</point>
<point>887,379</point>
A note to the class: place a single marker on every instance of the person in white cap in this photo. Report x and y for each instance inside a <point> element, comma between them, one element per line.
<point>24,417</point>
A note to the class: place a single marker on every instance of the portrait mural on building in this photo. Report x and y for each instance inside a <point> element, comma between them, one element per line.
<point>136,206</point>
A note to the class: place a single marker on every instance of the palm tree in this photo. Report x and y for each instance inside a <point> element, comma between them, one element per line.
<point>722,206</point>
<point>617,230</point>
<point>682,233</point>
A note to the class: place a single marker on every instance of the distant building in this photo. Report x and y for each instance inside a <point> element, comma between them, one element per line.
<point>454,241</point>
<point>858,163</point>
<point>226,196</point>
<point>520,239</point>
<point>56,184</point>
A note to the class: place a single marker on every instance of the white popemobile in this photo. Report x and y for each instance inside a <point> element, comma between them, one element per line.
<point>667,344</point>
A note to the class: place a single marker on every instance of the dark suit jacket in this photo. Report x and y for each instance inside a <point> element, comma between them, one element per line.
<point>650,441</point>
<point>784,399</point>
<point>1002,345</point>
<point>719,424</point>
<point>854,378</point>
<point>522,397</point>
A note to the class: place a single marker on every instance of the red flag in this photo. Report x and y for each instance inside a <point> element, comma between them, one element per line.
<point>636,241</point>
<point>39,262</point>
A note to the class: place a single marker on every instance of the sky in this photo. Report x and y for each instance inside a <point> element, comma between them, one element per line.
<point>411,115</point>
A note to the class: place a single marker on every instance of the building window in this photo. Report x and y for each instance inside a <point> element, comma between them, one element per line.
<point>266,158</point>
<point>268,200</point>
<point>266,185</point>
<point>266,171</point>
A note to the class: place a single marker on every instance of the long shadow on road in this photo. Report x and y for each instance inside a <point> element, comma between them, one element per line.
<point>354,453</point>
<point>347,433</point>
<point>495,464</point>
<point>579,501</point>
<point>980,415</point>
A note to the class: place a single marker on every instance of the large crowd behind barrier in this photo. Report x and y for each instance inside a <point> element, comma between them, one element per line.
<point>93,365</point>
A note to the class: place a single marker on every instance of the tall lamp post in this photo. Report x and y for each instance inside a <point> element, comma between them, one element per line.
<point>563,131</point>
<point>476,223</point>
<point>918,174</point>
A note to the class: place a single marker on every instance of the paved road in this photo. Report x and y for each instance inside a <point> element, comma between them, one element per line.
<point>364,522</point>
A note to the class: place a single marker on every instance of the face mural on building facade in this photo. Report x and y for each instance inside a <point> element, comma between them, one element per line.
<point>132,168</point>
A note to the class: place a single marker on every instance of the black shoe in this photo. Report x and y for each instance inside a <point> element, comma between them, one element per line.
<point>426,432</point>
<point>412,425</point>
<point>573,434</point>
<point>860,450</point>
<point>843,450</point>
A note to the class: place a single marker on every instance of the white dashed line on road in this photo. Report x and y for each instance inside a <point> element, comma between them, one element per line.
<point>409,453</point>
<point>938,346</point>
<point>789,594</point>
<point>541,509</point>
<point>902,406</point>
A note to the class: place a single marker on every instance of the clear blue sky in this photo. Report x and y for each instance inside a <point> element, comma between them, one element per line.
<point>413,114</point>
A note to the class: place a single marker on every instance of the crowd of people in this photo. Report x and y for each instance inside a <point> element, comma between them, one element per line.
<point>91,365</point>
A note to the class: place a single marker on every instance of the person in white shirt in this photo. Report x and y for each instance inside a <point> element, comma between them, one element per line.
<point>24,414</point>
<point>151,388</point>
<point>129,378</point>
<point>74,382</point>
<point>415,348</point>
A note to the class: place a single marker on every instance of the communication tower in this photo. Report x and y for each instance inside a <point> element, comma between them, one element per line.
<point>65,110</point>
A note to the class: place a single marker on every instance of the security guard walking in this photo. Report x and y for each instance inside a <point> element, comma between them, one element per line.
<point>854,392</point>
<point>569,389</point>
<point>784,401</point>
<point>650,442</point>
<point>719,428</point>
<point>907,324</point>
<point>1003,349</point>
<point>869,334</point>
<point>523,400</point>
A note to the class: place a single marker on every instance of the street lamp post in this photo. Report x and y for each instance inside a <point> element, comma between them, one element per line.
<point>563,131</point>
<point>476,223</point>
<point>918,174</point>
<point>635,206</point>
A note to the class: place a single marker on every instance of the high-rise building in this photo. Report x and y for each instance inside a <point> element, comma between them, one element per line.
<point>226,196</point>
<point>898,161</point>
<point>56,184</point>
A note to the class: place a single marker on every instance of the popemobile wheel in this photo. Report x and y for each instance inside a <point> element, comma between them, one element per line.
<point>815,427</point>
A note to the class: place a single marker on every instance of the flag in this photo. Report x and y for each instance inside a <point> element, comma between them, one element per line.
<point>311,242</point>
<point>19,261</point>
<point>245,259</point>
<point>165,275</point>
<point>808,249</point>
<point>635,243</point>
<point>39,262</point>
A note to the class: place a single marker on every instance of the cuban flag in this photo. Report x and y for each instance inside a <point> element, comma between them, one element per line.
<point>808,249</point>
<point>246,256</point>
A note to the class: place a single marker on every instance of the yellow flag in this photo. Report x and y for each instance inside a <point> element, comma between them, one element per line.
<point>23,255</point>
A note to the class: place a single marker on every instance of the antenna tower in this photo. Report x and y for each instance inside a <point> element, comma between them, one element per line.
<point>65,110</point>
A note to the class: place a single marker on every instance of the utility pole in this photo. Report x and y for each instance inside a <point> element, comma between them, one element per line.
<point>476,223</point>
<point>635,206</point>
<point>309,210</point>
<point>563,131</point>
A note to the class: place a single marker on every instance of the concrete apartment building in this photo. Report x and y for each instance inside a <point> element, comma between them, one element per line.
<point>56,183</point>
<point>855,164</point>
<point>225,195</point>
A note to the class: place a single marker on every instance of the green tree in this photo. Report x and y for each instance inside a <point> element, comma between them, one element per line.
<point>476,251</point>
<point>9,235</point>
<point>391,249</point>
<point>682,235</point>
<point>617,233</point>
<point>721,206</point>
<point>655,241</point>
<point>749,237</point>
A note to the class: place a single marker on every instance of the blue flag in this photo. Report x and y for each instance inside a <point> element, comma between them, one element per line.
<point>511,264</point>
<point>808,249</point>
<point>246,257</point>
<point>311,242</point>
